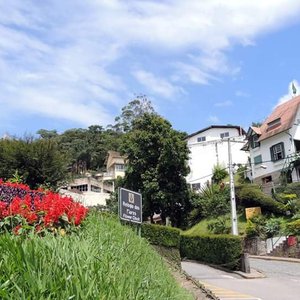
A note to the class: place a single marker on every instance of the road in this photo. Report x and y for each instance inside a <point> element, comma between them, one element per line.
<point>282,281</point>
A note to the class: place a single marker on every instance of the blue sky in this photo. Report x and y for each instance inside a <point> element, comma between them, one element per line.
<point>70,64</point>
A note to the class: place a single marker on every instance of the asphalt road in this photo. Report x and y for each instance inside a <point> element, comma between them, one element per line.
<point>282,281</point>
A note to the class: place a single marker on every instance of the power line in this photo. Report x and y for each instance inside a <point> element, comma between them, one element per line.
<point>234,164</point>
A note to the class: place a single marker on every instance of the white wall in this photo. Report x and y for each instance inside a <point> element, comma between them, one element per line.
<point>205,155</point>
<point>87,198</point>
<point>264,151</point>
<point>213,134</point>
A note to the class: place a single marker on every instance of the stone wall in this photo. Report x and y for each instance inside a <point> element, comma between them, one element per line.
<point>255,246</point>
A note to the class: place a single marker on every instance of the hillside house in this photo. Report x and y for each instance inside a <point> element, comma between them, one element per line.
<point>92,190</point>
<point>275,146</point>
<point>209,147</point>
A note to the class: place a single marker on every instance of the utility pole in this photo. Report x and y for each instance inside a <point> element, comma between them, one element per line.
<point>234,227</point>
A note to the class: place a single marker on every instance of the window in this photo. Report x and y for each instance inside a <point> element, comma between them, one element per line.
<point>277,152</point>
<point>224,135</point>
<point>266,179</point>
<point>257,159</point>
<point>81,188</point>
<point>254,141</point>
<point>119,167</point>
<point>274,124</point>
<point>201,139</point>
<point>95,189</point>
<point>196,186</point>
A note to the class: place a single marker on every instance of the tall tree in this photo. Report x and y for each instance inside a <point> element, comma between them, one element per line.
<point>132,111</point>
<point>157,166</point>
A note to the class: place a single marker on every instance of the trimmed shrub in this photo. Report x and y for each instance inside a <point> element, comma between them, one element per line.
<point>249,196</point>
<point>161,235</point>
<point>223,250</point>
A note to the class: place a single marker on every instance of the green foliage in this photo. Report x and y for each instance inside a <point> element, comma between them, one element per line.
<point>219,174</point>
<point>264,228</point>
<point>251,196</point>
<point>223,250</point>
<point>134,110</point>
<point>219,226</point>
<point>291,188</point>
<point>161,235</point>
<point>251,230</point>
<point>293,228</point>
<point>36,162</point>
<point>212,201</point>
<point>272,227</point>
<point>293,206</point>
<point>284,198</point>
<point>103,261</point>
<point>157,156</point>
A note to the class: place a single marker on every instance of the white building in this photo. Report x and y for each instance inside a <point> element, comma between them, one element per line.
<point>274,147</point>
<point>92,190</point>
<point>209,147</point>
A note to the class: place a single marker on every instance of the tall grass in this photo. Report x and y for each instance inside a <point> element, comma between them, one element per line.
<point>103,261</point>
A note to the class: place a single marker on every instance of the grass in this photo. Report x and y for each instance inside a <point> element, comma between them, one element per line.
<point>103,261</point>
<point>201,227</point>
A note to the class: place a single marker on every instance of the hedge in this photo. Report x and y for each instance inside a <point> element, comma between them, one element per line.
<point>161,235</point>
<point>248,196</point>
<point>223,250</point>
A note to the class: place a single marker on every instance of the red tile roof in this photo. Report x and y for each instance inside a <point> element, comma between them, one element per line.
<point>281,119</point>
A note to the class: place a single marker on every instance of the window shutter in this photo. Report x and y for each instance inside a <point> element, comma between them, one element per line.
<point>282,147</point>
<point>272,153</point>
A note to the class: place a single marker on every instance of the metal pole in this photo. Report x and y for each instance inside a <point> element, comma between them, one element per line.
<point>232,193</point>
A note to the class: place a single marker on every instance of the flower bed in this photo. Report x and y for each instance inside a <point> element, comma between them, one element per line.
<point>23,210</point>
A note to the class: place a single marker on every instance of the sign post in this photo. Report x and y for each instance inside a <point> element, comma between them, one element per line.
<point>130,206</point>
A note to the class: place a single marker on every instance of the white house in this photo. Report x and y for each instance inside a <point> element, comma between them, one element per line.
<point>210,147</point>
<point>274,146</point>
<point>92,190</point>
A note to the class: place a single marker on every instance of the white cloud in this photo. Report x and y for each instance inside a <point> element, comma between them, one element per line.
<point>242,94</point>
<point>77,55</point>
<point>213,119</point>
<point>290,93</point>
<point>155,84</point>
<point>223,104</point>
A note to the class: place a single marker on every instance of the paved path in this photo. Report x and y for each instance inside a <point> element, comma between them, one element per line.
<point>282,282</point>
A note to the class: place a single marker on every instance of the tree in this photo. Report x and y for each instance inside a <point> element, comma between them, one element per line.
<point>157,165</point>
<point>132,111</point>
<point>47,134</point>
<point>38,162</point>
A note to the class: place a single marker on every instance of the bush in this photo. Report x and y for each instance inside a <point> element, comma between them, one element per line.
<point>212,201</point>
<point>251,230</point>
<point>219,226</point>
<point>264,228</point>
<point>291,188</point>
<point>293,228</point>
<point>161,235</point>
<point>222,250</point>
<point>249,196</point>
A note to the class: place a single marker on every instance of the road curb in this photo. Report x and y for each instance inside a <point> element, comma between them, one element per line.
<point>276,258</point>
<point>255,274</point>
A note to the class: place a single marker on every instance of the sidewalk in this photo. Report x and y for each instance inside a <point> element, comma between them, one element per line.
<point>276,258</point>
